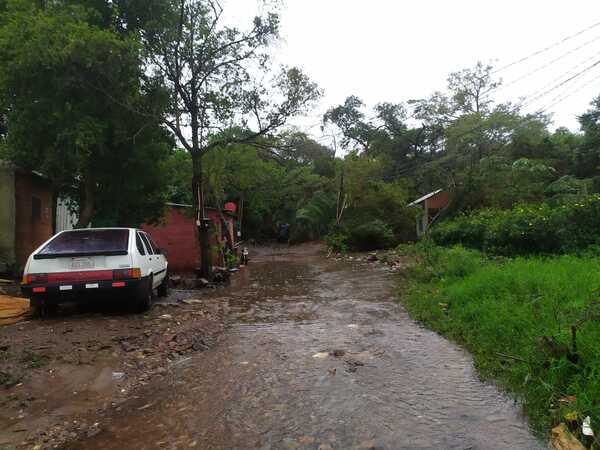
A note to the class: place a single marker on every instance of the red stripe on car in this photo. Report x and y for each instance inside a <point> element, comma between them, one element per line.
<point>90,275</point>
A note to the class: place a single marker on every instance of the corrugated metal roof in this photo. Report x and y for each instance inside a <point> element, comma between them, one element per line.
<point>425,197</point>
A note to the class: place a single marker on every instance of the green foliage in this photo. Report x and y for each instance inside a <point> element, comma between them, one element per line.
<point>316,216</point>
<point>337,241</point>
<point>372,235</point>
<point>544,228</point>
<point>230,259</point>
<point>77,111</point>
<point>178,170</point>
<point>515,316</point>
<point>371,198</point>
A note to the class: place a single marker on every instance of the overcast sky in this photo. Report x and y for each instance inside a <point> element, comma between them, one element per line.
<point>396,50</point>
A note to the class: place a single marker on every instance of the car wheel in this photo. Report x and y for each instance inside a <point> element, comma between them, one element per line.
<point>144,300</point>
<point>42,307</point>
<point>163,289</point>
<point>36,307</point>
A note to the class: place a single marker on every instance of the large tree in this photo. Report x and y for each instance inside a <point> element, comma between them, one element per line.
<point>220,77</point>
<point>55,57</point>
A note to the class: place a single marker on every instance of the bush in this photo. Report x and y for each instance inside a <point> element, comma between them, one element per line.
<point>372,235</point>
<point>515,316</point>
<point>337,241</point>
<point>526,229</point>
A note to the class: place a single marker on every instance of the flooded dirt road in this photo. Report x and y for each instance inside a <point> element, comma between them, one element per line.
<point>318,354</point>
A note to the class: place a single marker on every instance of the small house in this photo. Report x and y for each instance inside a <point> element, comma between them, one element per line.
<point>431,205</point>
<point>27,215</point>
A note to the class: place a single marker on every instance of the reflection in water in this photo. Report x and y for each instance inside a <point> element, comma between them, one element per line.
<point>319,353</point>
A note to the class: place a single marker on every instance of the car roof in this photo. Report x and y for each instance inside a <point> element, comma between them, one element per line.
<point>102,229</point>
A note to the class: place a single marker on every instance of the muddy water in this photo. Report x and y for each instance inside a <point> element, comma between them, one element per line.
<point>318,354</point>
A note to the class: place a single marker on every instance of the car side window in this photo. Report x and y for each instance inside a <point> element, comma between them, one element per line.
<point>148,245</point>
<point>155,247</point>
<point>139,244</point>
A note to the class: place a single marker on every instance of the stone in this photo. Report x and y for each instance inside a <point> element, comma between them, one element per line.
<point>127,346</point>
<point>372,257</point>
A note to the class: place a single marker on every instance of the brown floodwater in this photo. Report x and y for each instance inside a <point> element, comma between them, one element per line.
<point>318,354</point>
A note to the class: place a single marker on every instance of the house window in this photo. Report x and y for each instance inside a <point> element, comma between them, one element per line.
<point>36,209</point>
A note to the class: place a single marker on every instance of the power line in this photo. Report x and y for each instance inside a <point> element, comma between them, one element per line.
<point>596,55</point>
<point>550,47</point>
<point>559,85</point>
<point>544,66</point>
<point>561,98</point>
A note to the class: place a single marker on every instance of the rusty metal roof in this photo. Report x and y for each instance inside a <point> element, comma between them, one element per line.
<point>425,197</point>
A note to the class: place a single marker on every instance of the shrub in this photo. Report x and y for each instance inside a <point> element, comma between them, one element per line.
<point>526,229</point>
<point>372,235</point>
<point>337,241</point>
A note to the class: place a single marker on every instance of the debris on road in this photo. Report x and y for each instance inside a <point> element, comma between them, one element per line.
<point>562,439</point>
<point>353,365</point>
<point>13,309</point>
<point>103,358</point>
<point>192,302</point>
<point>586,428</point>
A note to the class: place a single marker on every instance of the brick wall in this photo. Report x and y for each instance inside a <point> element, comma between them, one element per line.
<point>34,212</point>
<point>177,235</point>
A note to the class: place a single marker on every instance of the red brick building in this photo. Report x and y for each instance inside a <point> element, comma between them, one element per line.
<point>27,215</point>
<point>177,235</point>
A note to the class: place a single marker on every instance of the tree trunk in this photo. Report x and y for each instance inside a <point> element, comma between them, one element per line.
<point>86,203</point>
<point>202,222</point>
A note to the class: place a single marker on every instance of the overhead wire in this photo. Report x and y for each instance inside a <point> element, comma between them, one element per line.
<point>568,72</point>
<point>548,48</point>
<point>561,98</point>
<point>531,99</point>
<point>544,66</point>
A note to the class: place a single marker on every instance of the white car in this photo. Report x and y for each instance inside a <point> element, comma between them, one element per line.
<point>96,262</point>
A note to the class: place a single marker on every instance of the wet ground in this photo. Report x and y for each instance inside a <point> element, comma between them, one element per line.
<point>316,353</point>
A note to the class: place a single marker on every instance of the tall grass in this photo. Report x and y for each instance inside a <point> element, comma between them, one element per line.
<point>516,317</point>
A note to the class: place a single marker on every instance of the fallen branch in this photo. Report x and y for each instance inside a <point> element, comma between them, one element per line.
<point>516,358</point>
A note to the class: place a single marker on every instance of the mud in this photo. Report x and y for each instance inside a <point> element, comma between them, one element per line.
<point>316,353</point>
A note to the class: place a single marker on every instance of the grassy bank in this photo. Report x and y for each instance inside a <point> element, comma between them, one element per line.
<point>532,324</point>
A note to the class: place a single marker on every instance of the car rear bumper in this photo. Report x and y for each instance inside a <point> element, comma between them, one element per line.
<point>70,291</point>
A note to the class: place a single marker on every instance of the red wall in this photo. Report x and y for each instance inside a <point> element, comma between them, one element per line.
<point>177,235</point>
<point>32,232</point>
<point>438,201</point>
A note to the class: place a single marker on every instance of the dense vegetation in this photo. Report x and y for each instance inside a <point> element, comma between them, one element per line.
<point>526,229</point>
<point>66,111</point>
<point>531,324</point>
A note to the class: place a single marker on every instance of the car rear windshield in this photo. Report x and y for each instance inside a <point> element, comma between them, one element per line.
<point>87,243</point>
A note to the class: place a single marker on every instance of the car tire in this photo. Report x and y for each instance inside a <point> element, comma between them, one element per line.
<point>163,289</point>
<point>36,307</point>
<point>145,297</point>
<point>41,308</point>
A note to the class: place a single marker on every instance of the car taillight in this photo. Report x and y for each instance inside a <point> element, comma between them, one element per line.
<point>35,278</point>
<point>126,274</point>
